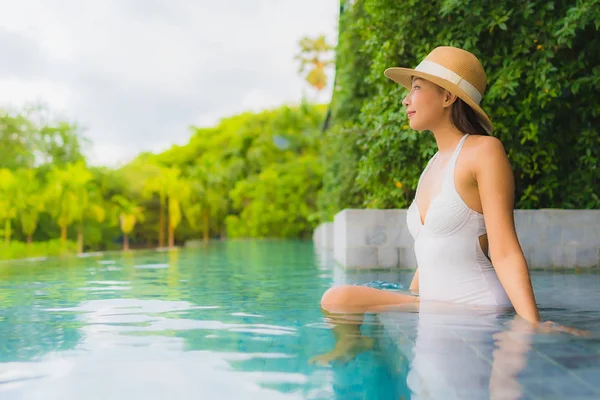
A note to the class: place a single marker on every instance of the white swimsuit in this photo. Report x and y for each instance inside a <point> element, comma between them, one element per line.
<point>452,265</point>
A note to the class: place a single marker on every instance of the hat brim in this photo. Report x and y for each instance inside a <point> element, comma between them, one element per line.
<point>404,76</point>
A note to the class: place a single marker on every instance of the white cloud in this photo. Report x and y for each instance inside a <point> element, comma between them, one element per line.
<point>17,93</point>
<point>137,74</point>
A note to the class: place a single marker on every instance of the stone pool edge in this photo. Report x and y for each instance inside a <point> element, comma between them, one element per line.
<point>379,238</point>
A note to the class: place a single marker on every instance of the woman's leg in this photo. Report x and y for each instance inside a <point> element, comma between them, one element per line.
<point>361,299</point>
<point>349,340</point>
<point>344,307</point>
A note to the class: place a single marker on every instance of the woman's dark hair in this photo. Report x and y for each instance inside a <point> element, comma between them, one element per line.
<point>465,119</point>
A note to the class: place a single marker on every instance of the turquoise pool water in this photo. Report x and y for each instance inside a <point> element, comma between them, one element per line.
<point>242,320</point>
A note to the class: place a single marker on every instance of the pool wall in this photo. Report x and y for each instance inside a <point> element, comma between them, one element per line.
<point>550,238</point>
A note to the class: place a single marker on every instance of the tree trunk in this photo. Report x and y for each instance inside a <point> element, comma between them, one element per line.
<point>80,239</point>
<point>125,242</point>
<point>171,236</point>
<point>63,233</point>
<point>7,231</point>
<point>29,238</point>
<point>206,227</point>
<point>161,226</point>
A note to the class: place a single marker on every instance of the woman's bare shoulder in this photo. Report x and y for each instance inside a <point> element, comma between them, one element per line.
<point>486,154</point>
<point>485,150</point>
<point>485,145</point>
<point>488,158</point>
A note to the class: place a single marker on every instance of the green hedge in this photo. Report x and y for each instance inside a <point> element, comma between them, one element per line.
<point>543,68</point>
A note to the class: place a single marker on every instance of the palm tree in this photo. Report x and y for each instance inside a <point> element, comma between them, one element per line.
<point>29,201</point>
<point>209,195</point>
<point>311,53</point>
<point>159,184</point>
<point>8,208</point>
<point>92,209</point>
<point>68,195</point>
<point>178,194</point>
<point>128,213</point>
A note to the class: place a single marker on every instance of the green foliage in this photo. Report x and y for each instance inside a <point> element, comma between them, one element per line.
<point>227,166</point>
<point>543,68</point>
<point>8,204</point>
<point>56,247</point>
<point>340,156</point>
<point>69,193</point>
<point>29,139</point>
<point>278,202</point>
<point>259,171</point>
<point>29,199</point>
<point>220,184</point>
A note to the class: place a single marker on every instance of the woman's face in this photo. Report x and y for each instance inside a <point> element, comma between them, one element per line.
<point>424,105</point>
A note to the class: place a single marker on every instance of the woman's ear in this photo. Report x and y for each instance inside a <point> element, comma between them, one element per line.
<point>449,98</point>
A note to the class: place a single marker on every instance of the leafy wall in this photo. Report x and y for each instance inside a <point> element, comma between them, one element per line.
<point>542,59</point>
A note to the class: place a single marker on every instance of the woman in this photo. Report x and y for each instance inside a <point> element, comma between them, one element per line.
<point>464,201</point>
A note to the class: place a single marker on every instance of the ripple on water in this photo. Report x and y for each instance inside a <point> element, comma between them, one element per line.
<point>155,316</point>
<point>241,314</point>
<point>123,305</point>
<point>107,286</point>
<point>90,254</point>
<point>152,266</point>
<point>162,375</point>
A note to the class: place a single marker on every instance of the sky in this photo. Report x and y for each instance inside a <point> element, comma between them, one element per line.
<point>136,74</point>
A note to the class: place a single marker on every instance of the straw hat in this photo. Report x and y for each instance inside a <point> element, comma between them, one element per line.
<point>454,69</point>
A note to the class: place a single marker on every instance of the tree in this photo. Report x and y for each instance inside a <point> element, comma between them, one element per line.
<point>30,200</point>
<point>280,202</point>
<point>178,194</point>
<point>8,206</point>
<point>128,214</point>
<point>208,194</point>
<point>91,209</point>
<point>16,136</point>
<point>68,196</point>
<point>159,183</point>
<point>60,143</point>
<point>29,139</point>
<point>313,53</point>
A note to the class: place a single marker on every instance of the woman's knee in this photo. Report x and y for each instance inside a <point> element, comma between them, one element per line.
<point>337,295</point>
<point>360,296</point>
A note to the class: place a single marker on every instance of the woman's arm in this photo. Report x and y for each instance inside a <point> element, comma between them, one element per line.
<point>495,182</point>
<point>414,284</point>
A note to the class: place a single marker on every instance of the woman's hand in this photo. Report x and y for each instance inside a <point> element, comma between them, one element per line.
<point>553,327</point>
<point>521,325</point>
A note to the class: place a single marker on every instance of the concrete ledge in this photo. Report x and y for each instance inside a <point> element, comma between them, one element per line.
<point>553,238</point>
<point>373,239</point>
<point>323,236</point>
<point>368,238</point>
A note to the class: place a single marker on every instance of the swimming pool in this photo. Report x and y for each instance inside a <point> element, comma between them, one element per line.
<point>241,319</point>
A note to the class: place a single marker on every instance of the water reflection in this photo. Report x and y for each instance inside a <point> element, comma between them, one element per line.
<point>468,353</point>
<point>241,319</point>
<point>458,353</point>
<point>453,352</point>
<point>226,321</point>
